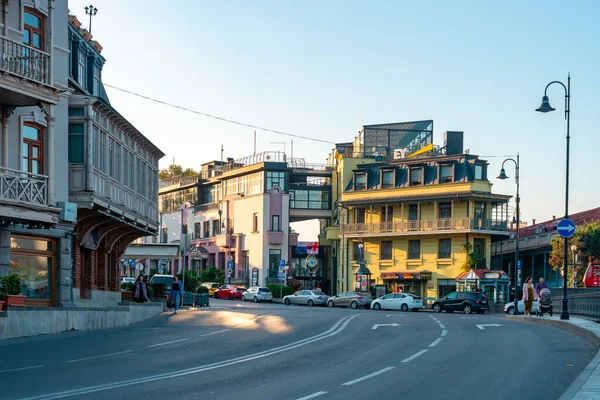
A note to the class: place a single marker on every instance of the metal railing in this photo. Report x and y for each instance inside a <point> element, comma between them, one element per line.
<point>580,305</point>
<point>25,61</point>
<point>25,187</point>
<point>442,224</point>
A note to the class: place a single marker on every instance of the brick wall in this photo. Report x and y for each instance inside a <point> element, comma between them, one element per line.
<point>102,267</point>
<point>76,267</point>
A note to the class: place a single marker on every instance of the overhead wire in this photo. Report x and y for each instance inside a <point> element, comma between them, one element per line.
<point>217,117</point>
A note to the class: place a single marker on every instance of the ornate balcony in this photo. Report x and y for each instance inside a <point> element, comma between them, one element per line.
<point>23,187</point>
<point>434,226</point>
<point>25,61</point>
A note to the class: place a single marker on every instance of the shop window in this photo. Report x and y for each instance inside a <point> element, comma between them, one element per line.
<point>414,249</point>
<point>445,248</point>
<point>386,250</point>
<point>33,149</point>
<point>33,259</point>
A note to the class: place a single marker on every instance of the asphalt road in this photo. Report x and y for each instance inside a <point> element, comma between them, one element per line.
<point>245,351</point>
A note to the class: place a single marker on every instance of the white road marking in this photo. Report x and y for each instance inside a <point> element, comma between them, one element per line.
<point>364,378</point>
<point>334,330</point>
<point>166,343</point>
<point>409,359</point>
<point>436,342</point>
<point>435,319</point>
<point>23,368</point>
<point>442,326</point>
<point>102,356</point>
<point>482,327</point>
<point>379,325</point>
<point>395,315</point>
<point>214,333</point>
<point>148,329</point>
<point>312,396</point>
<point>444,332</point>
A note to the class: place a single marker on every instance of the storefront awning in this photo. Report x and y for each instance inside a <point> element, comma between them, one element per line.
<point>153,251</point>
<point>406,276</point>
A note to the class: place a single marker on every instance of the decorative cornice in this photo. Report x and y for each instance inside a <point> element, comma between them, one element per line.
<point>44,108</point>
<point>7,112</point>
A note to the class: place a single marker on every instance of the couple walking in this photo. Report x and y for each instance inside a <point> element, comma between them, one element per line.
<point>530,293</point>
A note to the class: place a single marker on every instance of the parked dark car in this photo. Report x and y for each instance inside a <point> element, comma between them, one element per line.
<point>466,302</point>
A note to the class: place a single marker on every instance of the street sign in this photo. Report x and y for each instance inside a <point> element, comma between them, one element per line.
<point>254,276</point>
<point>281,263</point>
<point>229,272</point>
<point>519,265</point>
<point>281,276</point>
<point>230,264</point>
<point>566,228</point>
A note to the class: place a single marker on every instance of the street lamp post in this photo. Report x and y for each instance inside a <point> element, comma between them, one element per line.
<point>545,107</point>
<point>518,218</point>
<point>361,246</point>
<point>91,11</point>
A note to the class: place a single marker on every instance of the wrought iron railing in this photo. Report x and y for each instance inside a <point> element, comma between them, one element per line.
<point>24,187</point>
<point>585,305</point>
<point>25,61</point>
<point>442,224</point>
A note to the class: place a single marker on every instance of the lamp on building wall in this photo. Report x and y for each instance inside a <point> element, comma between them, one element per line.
<point>544,108</point>
<point>503,176</point>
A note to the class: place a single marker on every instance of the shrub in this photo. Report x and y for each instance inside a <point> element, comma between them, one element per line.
<point>127,286</point>
<point>202,289</point>
<point>153,271</point>
<point>160,288</point>
<point>212,274</point>
<point>276,290</point>
<point>151,293</point>
<point>11,285</point>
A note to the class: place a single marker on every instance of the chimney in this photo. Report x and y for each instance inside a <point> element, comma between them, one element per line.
<point>453,141</point>
<point>533,223</point>
<point>553,217</point>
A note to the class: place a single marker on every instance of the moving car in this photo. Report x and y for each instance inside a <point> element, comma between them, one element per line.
<point>211,286</point>
<point>257,293</point>
<point>509,308</point>
<point>466,302</point>
<point>352,299</point>
<point>308,297</point>
<point>397,301</point>
<point>223,291</point>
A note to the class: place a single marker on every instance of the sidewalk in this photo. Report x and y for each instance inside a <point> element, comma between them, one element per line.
<point>587,385</point>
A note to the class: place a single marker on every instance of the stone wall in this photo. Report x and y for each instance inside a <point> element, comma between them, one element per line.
<point>32,321</point>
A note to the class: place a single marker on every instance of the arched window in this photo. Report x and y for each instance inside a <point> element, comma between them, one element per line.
<point>33,32</point>
<point>33,148</point>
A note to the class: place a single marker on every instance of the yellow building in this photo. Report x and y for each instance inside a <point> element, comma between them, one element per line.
<point>403,223</point>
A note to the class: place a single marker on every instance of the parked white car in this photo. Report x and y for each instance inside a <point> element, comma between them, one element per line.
<point>397,301</point>
<point>509,308</point>
<point>256,294</point>
<point>307,297</point>
<point>127,279</point>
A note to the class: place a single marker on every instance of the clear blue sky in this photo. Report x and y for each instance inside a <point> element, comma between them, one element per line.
<point>325,68</point>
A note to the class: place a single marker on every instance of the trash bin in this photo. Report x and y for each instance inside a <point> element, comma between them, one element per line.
<point>202,300</point>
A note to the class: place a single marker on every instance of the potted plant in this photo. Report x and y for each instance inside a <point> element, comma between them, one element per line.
<point>127,291</point>
<point>11,286</point>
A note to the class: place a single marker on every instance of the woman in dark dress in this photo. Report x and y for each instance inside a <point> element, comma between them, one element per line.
<point>140,290</point>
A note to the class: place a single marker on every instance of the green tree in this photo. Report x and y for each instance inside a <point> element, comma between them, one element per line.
<point>586,239</point>
<point>175,170</point>
<point>473,259</point>
<point>212,274</point>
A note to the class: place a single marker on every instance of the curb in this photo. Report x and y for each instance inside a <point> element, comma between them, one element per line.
<point>574,390</point>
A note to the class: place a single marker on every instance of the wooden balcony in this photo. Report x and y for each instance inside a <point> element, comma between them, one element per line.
<point>20,187</point>
<point>433,226</point>
<point>25,75</point>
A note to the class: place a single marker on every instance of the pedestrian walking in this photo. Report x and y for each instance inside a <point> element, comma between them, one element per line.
<point>540,285</point>
<point>140,290</point>
<point>176,293</point>
<point>529,294</point>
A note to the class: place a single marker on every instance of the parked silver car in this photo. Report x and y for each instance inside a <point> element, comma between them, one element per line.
<point>509,308</point>
<point>308,297</point>
<point>351,299</point>
<point>256,294</point>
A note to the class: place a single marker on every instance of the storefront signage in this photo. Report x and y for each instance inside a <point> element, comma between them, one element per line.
<point>389,276</point>
<point>492,275</point>
<point>425,275</point>
<point>407,276</point>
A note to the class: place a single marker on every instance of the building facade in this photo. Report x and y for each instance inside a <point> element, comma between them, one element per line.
<point>237,213</point>
<point>36,219</point>
<point>113,176</point>
<point>404,214</point>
